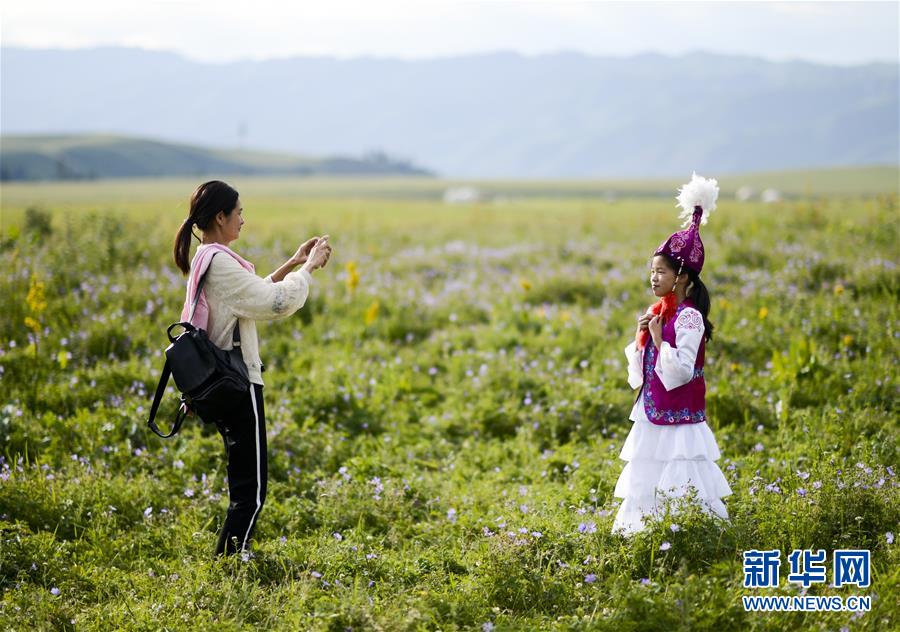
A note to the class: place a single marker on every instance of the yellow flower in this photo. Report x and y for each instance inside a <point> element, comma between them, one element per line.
<point>525,283</point>
<point>33,324</point>
<point>838,289</point>
<point>724,304</point>
<point>36,300</point>
<point>734,366</point>
<point>63,358</point>
<point>847,340</point>
<point>372,313</point>
<point>565,316</point>
<point>352,276</point>
<point>763,312</point>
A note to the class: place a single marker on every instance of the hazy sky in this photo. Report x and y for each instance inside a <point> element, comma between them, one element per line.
<point>225,30</point>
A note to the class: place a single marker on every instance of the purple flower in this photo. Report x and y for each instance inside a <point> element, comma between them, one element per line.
<point>316,574</point>
<point>587,527</point>
<point>801,492</point>
<point>665,546</point>
<point>337,536</point>
<point>675,528</point>
<point>451,514</point>
<point>889,536</point>
<point>645,581</point>
<point>590,578</point>
<point>54,591</point>
<point>487,627</point>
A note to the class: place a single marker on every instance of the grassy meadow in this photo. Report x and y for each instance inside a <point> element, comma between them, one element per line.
<point>445,414</point>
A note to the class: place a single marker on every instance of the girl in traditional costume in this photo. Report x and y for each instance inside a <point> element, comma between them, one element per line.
<point>670,448</point>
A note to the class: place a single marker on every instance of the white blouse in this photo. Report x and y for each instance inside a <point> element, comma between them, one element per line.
<point>675,366</point>
<point>234,294</point>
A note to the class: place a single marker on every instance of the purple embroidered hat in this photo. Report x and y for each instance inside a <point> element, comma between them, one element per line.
<point>697,200</point>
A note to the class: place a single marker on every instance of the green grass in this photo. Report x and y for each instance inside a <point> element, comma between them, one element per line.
<point>429,402</point>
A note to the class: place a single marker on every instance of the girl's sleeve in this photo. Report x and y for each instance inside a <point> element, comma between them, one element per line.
<point>675,366</point>
<point>250,296</point>
<point>635,374</point>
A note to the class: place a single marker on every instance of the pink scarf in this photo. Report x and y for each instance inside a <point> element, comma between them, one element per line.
<point>199,265</point>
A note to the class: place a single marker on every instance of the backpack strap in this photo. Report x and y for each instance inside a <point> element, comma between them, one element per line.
<point>157,398</point>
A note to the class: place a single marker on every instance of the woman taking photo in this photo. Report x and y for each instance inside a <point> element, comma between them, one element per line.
<point>231,300</point>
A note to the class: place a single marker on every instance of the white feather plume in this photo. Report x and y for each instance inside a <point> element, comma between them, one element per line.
<point>701,192</point>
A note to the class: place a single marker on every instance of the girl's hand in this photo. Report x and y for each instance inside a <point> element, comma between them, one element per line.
<point>303,251</point>
<point>643,321</point>
<point>655,327</point>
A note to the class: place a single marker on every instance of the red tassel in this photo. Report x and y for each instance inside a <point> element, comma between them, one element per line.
<point>665,308</point>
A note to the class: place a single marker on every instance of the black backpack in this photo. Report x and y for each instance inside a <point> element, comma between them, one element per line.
<point>213,382</point>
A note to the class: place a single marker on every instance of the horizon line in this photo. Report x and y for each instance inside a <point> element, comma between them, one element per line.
<point>446,57</point>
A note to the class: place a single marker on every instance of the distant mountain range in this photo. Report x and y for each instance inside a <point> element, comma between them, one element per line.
<point>491,115</point>
<point>86,156</point>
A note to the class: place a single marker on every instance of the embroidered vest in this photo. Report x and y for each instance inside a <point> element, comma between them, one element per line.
<point>683,405</point>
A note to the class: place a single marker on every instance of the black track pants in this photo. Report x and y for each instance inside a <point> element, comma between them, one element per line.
<point>245,446</point>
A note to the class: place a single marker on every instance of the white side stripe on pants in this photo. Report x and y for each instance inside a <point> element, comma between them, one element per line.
<point>258,465</point>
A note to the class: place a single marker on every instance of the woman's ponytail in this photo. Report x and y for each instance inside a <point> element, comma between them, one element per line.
<point>183,245</point>
<point>207,201</point>
<point>700,295</point>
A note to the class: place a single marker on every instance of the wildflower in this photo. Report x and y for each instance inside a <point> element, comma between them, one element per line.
<point>487,626</point>
<point>675,528</point>
<point>316,574</point>
<point>54,591</point>
<point>889,536</point>
<point>645,581</point>
<point>590,578</point>
<point>337,536</point>
<point>451,515</point>
<point>847,340</point>
<point>32,324</point>
<point>372,313</point>
<point>801,492</point>
<point>36,300</point>
<point>763,312</point>
<point>587,527</point>
<point>525,283</point>
<point>148,511</point>
<point>665,546</point>
<point>838,289</point>
<point>352,276</point>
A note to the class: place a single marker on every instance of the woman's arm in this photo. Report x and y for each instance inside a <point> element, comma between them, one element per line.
<point>249,296</point>
<point>298,259</point>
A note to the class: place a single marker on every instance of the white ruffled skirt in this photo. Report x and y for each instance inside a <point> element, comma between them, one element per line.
<point>663,463</point>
